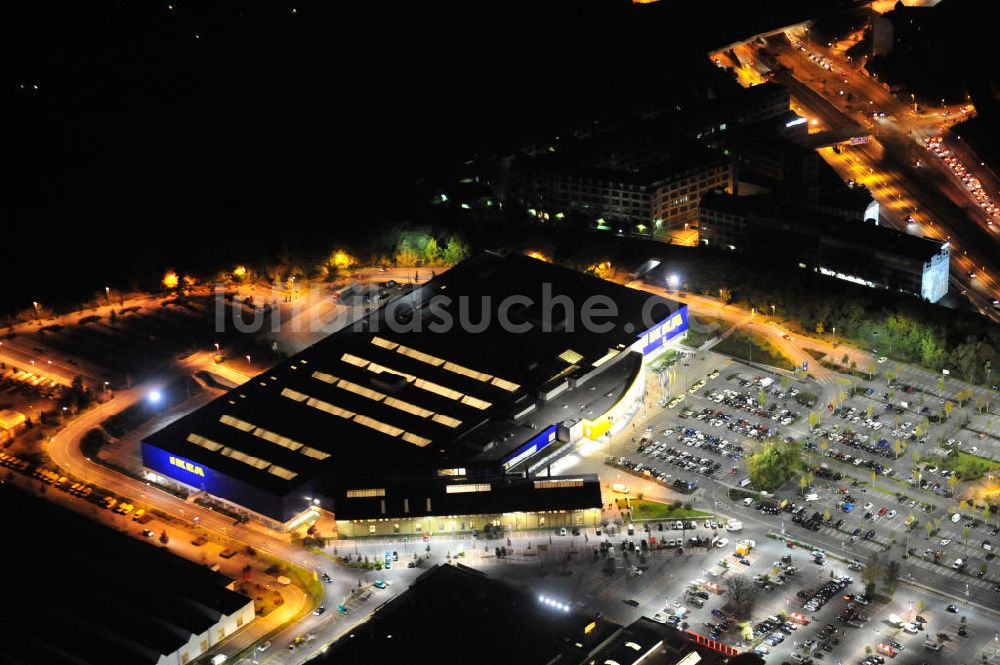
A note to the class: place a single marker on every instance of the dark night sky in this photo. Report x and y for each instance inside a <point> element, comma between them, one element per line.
<point>145,146</point>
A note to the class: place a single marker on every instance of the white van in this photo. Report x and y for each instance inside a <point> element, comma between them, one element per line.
<point>956,518</point>
<point>620,488</point>
<point>748,501</point>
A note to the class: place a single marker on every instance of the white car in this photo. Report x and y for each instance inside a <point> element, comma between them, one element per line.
<point>945,541</point>
<point>892,513</point>
<point>660,617</point>
<point>722,542</point>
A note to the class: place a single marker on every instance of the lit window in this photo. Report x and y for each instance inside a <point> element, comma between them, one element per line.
<point>458,471</point>
<point>419,355</point>
<point>378,425</point>
<point>469,487</point>
<point>409,408</point>
<point>276,438</point>
<point>294,394</point>
<point>329,408</point>
<point>281,472</point>
<point>448,421</point>
<point>553,484</point>
<point>570,356</point>
<point>465,371</point>
<point>384,343</point>
<point>199,440</point>
<point>410,437</point>
<point>358,389</point>
<point>476,402</point>
<point>353,360</point>
<point>437,389</point>
<point>237,423</point>
<point>504,384</point>
<point>326,378</point>
<point>241,456</point>
<point>365,493</point>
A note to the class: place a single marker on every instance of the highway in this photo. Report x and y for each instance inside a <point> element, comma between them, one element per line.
<point>836,92</point>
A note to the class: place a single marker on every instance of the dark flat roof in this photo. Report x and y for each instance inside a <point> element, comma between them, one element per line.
<point>879,238</point>
<point>95,595</point>
<point>387,395</point>
<point>459,615</point>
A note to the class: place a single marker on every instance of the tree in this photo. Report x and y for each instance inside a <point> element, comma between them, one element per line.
<point>947,409</point>
<point>827,515</point>
<point>774,463</point>
<point>164,538</point>
<point>872,573</point>
<point>891,577</point>
<point>740,590</point>
<point>844,359</point>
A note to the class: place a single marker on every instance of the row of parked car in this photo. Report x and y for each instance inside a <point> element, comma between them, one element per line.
<point>47,476</point>
<point>831,588</point>
<point>680,458</point>
<point>12,379</point>
<point>664,478</point>
<point>750,404</point>
<point>856,440</point>
<point>14,462</point>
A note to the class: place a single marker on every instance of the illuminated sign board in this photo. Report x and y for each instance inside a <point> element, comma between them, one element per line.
<point>179,468</point>
<point>187,466</point>
<point>664,331</point>
<point>523,452</point>
<point>859,140</point>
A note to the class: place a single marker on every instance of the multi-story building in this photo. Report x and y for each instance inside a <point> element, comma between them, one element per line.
<point>635,181</point>
<point>797,234</point>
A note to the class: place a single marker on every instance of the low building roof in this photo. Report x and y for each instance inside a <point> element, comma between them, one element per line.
<point>100,596</point>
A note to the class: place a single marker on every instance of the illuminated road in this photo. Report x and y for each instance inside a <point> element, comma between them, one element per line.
<point>836,94</point>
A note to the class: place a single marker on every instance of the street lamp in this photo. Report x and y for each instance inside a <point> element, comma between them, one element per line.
<point>107,292</point>
<point>673,281</point>
<point>217,347</point>
<point>248,361</point>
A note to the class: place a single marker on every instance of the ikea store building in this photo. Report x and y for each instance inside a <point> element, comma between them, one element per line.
<point>439,412</point>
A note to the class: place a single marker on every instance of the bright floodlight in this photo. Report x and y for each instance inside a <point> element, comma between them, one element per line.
<point>155,396</point>
<point>673,281</point>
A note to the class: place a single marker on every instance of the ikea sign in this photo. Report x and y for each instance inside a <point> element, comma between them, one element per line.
<point>179,468</point>
<point>537,443</point>
<point>664,331</point>
<point>187,466</point>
